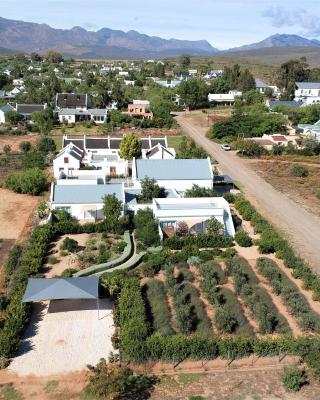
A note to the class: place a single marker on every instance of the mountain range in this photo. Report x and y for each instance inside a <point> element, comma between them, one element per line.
<point>20,36</point>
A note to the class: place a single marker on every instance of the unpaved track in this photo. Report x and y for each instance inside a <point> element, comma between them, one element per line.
<point>300,227</point>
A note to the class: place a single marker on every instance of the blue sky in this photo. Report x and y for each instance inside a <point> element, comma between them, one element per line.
<point>226,23</point>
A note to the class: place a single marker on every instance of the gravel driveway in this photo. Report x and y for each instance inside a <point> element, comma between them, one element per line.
<point>300,227</point>
<point>64,337</point>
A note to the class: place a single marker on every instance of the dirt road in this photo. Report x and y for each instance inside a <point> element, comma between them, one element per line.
<point>300,227</point>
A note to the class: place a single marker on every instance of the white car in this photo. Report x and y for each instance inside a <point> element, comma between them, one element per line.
<point>226,147</point>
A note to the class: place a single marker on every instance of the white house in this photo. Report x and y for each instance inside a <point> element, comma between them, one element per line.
<point>195,212</point>
<point>84,202</point>
<point>102,153</point>
<point>72,115</point>
<point>178,174</point>
<point>67,161</point>
<point>129,83</point>
<point>171,84</point>
<point>308,92</point>
<point>224,97</point>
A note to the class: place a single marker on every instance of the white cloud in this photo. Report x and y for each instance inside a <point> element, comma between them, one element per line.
<point>298,17</point>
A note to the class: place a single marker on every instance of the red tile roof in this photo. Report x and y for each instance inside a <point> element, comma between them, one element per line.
<point>279,138</point>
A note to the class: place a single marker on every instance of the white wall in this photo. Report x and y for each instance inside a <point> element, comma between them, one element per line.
<point>2,117</point>
<point>80,211</point>
<point>60,166</point>
<point>71,119</point>
<point>180,185</point>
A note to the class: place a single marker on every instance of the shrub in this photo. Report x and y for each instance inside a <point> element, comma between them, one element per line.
<point>299,170</point>
<point>31,181</point>
<point>201,240</point>
<point>294,378</point>
<point>12,263</point>
<point>243,239</point>
<point>229,197</point>
<point>146,228</point>
<point>291,295</point>
<point>52,260</point>
<point>257,298</point>
<point>119,247</point>
<point>70,245</point>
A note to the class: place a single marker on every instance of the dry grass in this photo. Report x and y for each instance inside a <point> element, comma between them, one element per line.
<point>301,190</point>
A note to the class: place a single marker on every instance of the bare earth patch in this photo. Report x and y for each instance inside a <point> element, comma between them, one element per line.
<point>14,141</point>
<point>15,211</point>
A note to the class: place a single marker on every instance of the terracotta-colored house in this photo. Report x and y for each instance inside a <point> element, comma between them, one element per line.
<point>140,109</point>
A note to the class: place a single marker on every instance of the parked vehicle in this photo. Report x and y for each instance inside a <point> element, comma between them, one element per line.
<point>226,147</point>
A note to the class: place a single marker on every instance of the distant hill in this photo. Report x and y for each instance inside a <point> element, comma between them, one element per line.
<point>279,40</point>
<point>105,43</point>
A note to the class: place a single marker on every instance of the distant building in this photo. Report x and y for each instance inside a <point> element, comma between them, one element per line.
<point>224,97</point>
<point>140,109</point>
<point>307,92</point>
<point>71,100</point>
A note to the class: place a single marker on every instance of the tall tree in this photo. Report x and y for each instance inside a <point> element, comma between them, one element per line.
<point>112,208</point>
<point>130,146</point>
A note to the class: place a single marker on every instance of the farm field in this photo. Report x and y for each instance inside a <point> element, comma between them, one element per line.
<point>303,190</point>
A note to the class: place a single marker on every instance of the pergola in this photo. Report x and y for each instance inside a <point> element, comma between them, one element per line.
<point>44,289</point>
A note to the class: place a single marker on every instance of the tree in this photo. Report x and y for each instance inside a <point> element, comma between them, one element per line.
<point>198,191</point>
<point>182,229</point>
<point>44,120</point>
<point>242,238</point>
<point>46,145</point>
<point>214,227</point>
<point>54,57</point>
<point>147,231</point>
<point>290,72</point>
<point>224,321</point>
<point>299,170</point>
<point>130,146</point>
<point>185,60</point>
<point>25,146</point>
<point>13,117</point>
<point>112,209</point>
<point>36,57</point>
<point>4,80</point>
<point>150,190</point>
<point>246,81</point>
<point>248,148</point>
<point>194,93</point>
<point>114,382</point>
<point>31,181</point>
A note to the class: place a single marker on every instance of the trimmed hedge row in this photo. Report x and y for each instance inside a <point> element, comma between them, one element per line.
<point>12,263</point>
<point>17,313</point>
<point>271,241</point>
<point>202,240</point>
<point>137,347</point>
<point>229,316</point>
<point>297,304</point>
<point>131,317</point>
<point>257,298</point>
<point>189,310</point>
<point>156,303</point>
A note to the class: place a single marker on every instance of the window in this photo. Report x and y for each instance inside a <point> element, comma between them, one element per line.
<point>168,224</point>
<point>66,160</point>
<point>61,169</point>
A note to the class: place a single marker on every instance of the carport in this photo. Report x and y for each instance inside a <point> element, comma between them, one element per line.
<point>47,289</point>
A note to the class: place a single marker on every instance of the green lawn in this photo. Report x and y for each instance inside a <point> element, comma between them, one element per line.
<point>174,141</point>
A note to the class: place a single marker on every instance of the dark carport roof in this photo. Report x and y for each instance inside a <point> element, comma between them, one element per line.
<point>61,289</point>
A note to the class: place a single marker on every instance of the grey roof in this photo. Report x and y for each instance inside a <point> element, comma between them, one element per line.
<point>97,143</point>
<point>76,142</point>
<point>132,194</point>
<point>260,83</point>
<point>182,169</point>
<point>77,111</point>
<point>71,100</point>
<point>308,85</point>
<point>42,289</point>
<point>29,108</point>
<point>292,103</point>
<point>7,107</point>
<point>85,194</point>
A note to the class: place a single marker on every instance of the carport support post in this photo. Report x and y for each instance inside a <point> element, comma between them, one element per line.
<point>98,306</point>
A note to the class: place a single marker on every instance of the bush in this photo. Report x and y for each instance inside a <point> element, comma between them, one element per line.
<point>119,247</point>
<point>243,239</point>
<point>146,228</point>
<point>70,245</point>
<point>229,197</point>
<point>52,260</point>
<point>294,378</point>
<point>202,240</point>
<point>31,181</point>
<point>299,170</point>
